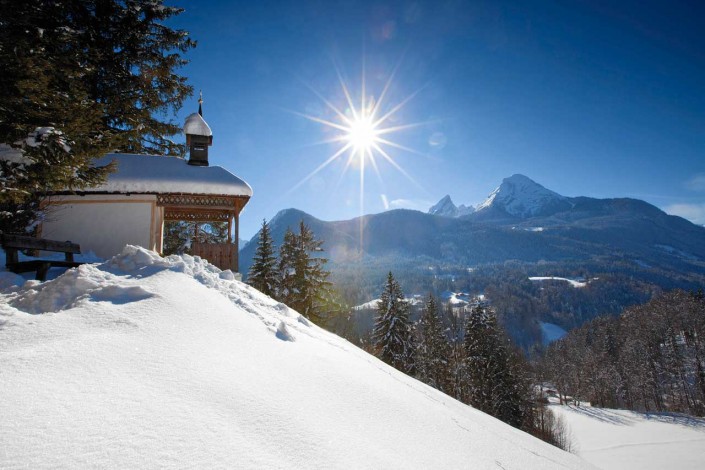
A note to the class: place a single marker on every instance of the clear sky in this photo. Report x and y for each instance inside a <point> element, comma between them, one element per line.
<point>588,98</point>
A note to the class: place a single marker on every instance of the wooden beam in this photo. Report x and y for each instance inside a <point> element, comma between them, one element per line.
<point>236,255</point>
<point>31,243</point>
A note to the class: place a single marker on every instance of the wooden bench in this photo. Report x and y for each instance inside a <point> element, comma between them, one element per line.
<point>12,244</point>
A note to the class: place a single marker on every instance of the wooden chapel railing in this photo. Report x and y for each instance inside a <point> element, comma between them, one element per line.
<point>222,255</point>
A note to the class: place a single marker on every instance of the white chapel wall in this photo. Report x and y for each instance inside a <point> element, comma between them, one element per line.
<point>104,224</point>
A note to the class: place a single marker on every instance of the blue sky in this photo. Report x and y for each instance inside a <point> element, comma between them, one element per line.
<point>587,98</point>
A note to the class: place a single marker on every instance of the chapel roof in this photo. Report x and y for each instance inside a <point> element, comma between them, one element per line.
<point>156,174</point>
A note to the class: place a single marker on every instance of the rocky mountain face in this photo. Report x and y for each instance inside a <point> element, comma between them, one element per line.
<point>446,208</point>
<point>521,197</point>
<point>517,197</point>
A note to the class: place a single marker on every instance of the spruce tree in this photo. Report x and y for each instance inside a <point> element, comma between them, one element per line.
<point>286,267</point>
<point>482,359</point>
<point>81,78</point>
<point>493,371</point>
<point>303,279</point>
<point>432,348</point>
<point>263,272</point>
<point>392,331</point>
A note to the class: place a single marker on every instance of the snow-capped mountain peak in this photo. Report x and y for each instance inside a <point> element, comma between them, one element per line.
<point>446,208</point>
<point>520,196</point>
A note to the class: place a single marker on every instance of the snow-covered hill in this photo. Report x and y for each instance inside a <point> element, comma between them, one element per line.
<point>625,440</point>
<point>145,362</point>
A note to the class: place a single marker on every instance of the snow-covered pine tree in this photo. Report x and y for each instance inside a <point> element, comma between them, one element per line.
<point>494,373</point>
<point>457,382</point>
<point>79,79</point>
<point>392,333</point>
<point>263,272</point>
<point>482,359</point>
<point>432,348</point>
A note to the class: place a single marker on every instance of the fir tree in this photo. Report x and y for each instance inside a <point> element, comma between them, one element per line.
<point>286,290</point>
<point>303,279</point>
<point>81,78</point>
<point>392,331</point>
<point>492,370</point>
<point>432,348</point>
<point>263,272</point>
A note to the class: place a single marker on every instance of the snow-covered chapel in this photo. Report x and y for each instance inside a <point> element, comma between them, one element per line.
<point>145,191</point>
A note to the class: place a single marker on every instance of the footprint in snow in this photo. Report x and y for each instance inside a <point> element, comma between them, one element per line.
<point>283,333</point>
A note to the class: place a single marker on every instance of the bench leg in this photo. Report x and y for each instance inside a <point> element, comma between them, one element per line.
<point>42,271</point>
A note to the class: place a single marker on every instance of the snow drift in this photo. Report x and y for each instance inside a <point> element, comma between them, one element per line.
<point>143,361</point>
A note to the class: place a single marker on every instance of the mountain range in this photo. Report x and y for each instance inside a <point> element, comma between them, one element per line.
<point>520,220</point>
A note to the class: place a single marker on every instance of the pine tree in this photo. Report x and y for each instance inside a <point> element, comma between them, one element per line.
<point>81,78</point>
<point>286,268</point>
<point>392,331</point>
<point>482,358</point>
<point>303,279</point>
<point>495,383</point>
<point>432,348</point>
<point>263,272</point>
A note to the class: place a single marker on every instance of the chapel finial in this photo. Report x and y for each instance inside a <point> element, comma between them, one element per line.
<point>200,102</point>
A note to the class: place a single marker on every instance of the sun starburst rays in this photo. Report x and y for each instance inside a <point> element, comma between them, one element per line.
<point>360,131</point>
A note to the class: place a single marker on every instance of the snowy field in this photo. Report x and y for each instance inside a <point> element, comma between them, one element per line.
<point>626,440</point>
<point>572,282</point>
<point>145,362</point>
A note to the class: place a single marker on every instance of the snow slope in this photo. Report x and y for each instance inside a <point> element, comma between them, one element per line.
<point>624,440</point>
<point>143,362</point>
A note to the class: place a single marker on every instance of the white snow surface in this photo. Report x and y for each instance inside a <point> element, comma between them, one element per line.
<point>154,174</point>
<point>415,299</point>
<point>196,125</point>
<point>572,282</point>
<point>626,440</point>
<point>144,362</point>
<point>520,196</point>
<point>551,332</point>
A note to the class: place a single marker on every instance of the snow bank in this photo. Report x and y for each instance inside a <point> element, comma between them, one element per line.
<point>145,362</point>
<point>624,440</point>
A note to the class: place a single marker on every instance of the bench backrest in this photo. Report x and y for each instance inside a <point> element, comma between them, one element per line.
<point>30,243</point>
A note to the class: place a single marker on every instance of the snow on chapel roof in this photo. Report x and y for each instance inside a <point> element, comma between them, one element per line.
<point>154,174</point>
<point>196,125</point>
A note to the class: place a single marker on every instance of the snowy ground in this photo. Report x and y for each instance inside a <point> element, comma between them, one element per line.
<point>551,332</point>
<point>624,440</point>
<point>416,299</point>
<point>146,362</point>
<point>572,282</point>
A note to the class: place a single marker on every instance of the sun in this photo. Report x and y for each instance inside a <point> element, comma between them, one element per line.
<point>363,131</point>
<point>362,134</point>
